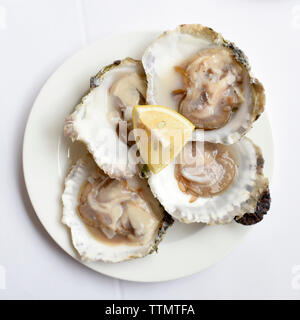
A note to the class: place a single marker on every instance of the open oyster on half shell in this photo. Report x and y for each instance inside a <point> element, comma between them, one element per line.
<point>214,183</point>
<point>103,119</point>
<point>194,71</point>
<point>111,220</point>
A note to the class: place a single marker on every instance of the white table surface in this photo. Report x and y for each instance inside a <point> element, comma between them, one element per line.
<point>36,36</point>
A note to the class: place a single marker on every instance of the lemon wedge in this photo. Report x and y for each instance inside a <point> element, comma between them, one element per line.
<point>160,134</point>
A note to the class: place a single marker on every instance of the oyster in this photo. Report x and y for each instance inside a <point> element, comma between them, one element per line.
<point>111,220</point>
<point>193,70</point>
<point>103,118</point>
<point>214,183</point>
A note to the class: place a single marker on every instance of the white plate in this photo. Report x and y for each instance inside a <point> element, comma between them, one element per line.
<point>47,155</point>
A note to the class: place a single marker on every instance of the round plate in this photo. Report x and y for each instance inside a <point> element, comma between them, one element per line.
<point>47,155</point>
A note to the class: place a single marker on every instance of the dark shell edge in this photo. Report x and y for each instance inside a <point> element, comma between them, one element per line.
<point>166,223</point>
<point>262,207</point>
<point>95,80</point>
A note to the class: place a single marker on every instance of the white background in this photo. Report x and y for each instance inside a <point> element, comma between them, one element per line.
<point>36,36</point>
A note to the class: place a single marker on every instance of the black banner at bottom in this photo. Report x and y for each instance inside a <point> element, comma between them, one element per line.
<point>141,309</point>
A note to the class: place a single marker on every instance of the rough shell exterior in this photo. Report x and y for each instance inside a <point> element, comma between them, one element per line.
<point>262,207</point>
<point>96,80</point>
<point>261,196</point>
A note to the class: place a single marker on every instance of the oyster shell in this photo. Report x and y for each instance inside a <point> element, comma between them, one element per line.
<point>193,70</point>
<point>227,182</point>
<point>111,220</point>
<point>262,207</point>
<point>103,118</point>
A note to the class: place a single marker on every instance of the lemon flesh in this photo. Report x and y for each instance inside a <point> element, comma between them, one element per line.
<point>160,134</point>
